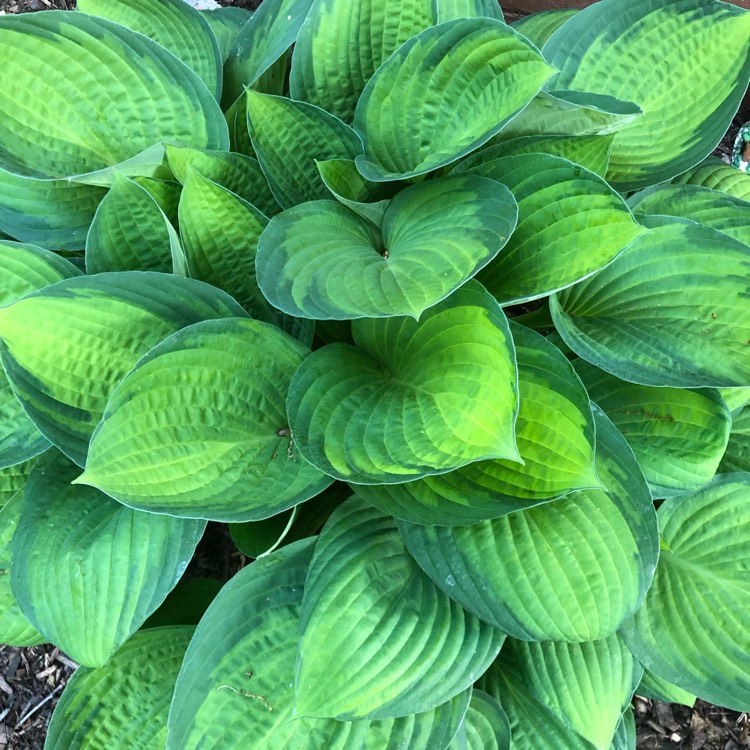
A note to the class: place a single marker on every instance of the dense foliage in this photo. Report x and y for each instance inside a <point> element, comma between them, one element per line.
<point>449,319</point>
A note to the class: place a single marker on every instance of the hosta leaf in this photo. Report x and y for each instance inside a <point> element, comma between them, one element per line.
<point>65,347</point>
<point>199,429</point>
<point>288,136</point>
<point>261,42</point>
<point>716,175</point>
<point>412,398</point>
<point>229,671</point>
<point>13,479</point>
<point>131,233</point>
<point>658,689</point>
<point>174,25</point>
<point>53,213</point>
<point>377,638</point>
<point>236,172</point>
<point>588,685</point>
<point>692,629</point>
<point>226,24</point>
<point>449,10</point>
<point>715,209</point>
<point>737,455</point>
<point>341,44</point>
<point>148,95</point>
<point>590,151</point>
<point>539,27</point>
<point>480,62</point>
<point>93,570</point>
<point>696,340</point>
<point>569,570</point>
<point>657,45</point>
<point>98,706</point>
<point>485,726</point>
<point>571,113</point>
<point>625,735</point>
<point>23,269</point>
<point>570,224</point>
<point>555,435</point>
<point>677,435</point>
<point>15,629</point>
<point>736,399</point>
<point>320,260</point>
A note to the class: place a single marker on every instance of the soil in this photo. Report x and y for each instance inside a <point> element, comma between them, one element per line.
<point>32,679</point>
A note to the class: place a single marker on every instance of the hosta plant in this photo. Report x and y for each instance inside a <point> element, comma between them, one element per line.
<point>448,319</point>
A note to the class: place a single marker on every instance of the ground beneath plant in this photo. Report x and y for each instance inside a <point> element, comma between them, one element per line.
<point>32,679</point>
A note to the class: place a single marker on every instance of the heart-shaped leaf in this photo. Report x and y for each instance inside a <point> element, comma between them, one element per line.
<point>713,173</point>
<point>226,24</point>
<point>377,638</point>
<point>65,347</point>
<point>713,208</point>
<point>704,43</point>
<point>692,629</point>
<point>493,71</point>
<point>548,573</point>
<point>696,278</point>
<point>229,671</point>
<point>411,398</point>
<point>131,233</point>
<point>677,435</point>
<point>555,435</point>
<point>320,260</point>
<point>64,533</point>
<point>199,429</point>
<point>98,705</point>
<point>288,137</point>
<point>658,689</point>
<point>485,726</point>
<point>174,25</point>
<point>341,44</point>
<point>539,27</point>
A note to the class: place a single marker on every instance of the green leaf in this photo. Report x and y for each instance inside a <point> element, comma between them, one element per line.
<point>20,440</point>
<point>696,278</point>
<point>450,10</point>
<point>226,24</point>
<point>377,638</point>
<point>174,25</point>
<point>147,96</point>
<point>692,629</point>
<point>236,172</point>
<point>261,42</point>
<point>186,603</point>
<point>555,435</point>
<point>704,43</point>
<point>15,629</point>
<point>65,347</point>
<point>407,114</point>
<point>485,726</point>
<point>98,707</point>
<point>131,233</point>
<point>677,435</point>
<point>341,44</point>
<point>572,570</point>
<point>199,428</point>
<point>716,175</point>
<point>590,151</point>
<point>625,736</point>
<point>570,224</point>
<point>220,232</point>
<point>230,671</point>
<point>571,113</point>
<point>320,260</point>
<point>712,208</point>
<point>13,479</point>
<point>737,455</point>
<point>411,398</point>
<point>658,689</point>
<point>93,570</point>
<point>736,399</point>
<point>288,137</point>
<point>588,685</point>
<point>53,213</point>
<point>539,27</point>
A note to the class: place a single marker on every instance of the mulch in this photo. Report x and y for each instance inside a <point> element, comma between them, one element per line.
<point>32,679</point>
